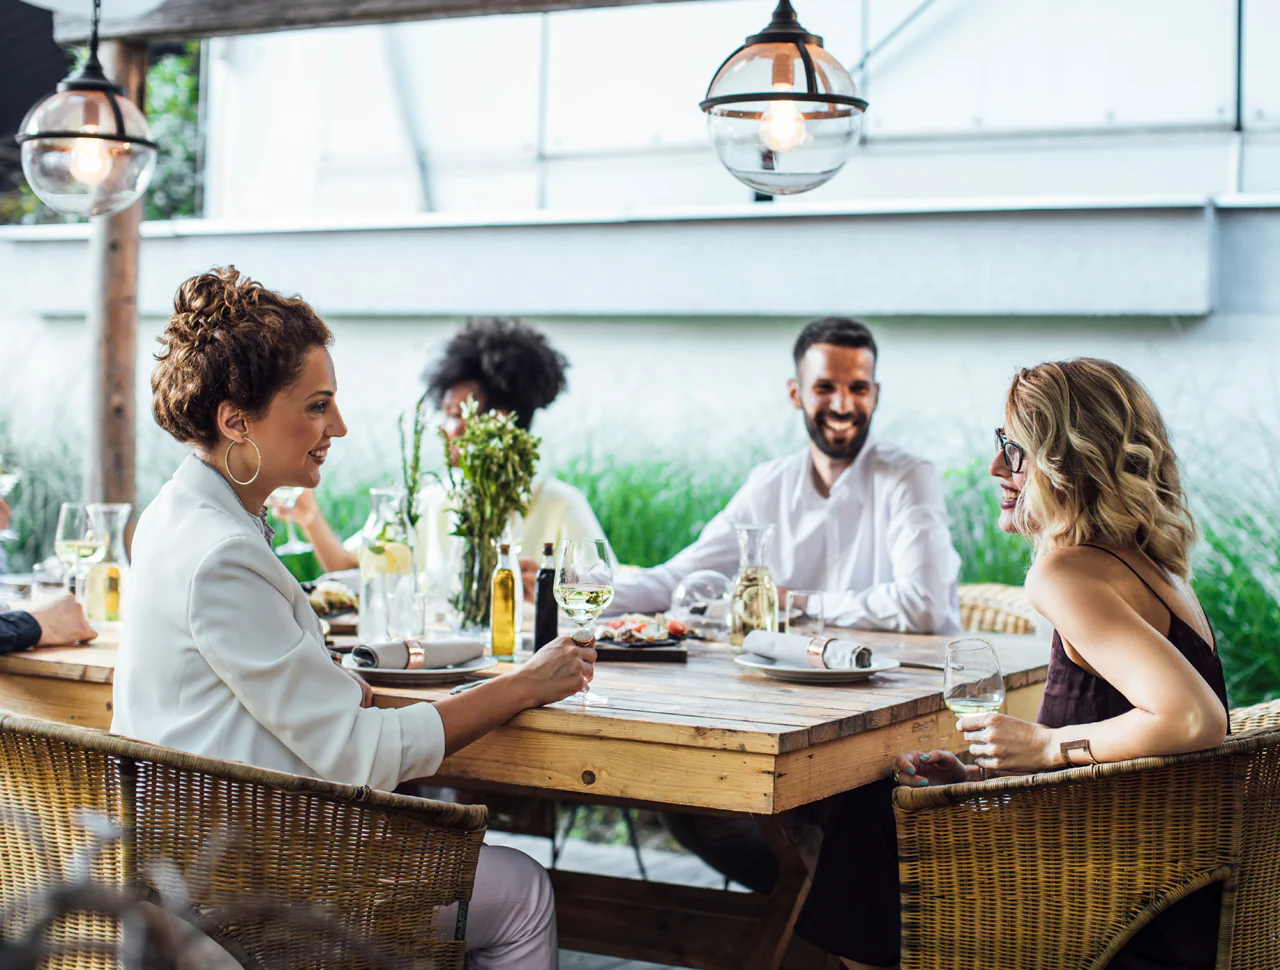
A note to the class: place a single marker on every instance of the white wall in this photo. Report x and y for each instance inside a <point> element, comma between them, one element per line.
<point>699,390</point>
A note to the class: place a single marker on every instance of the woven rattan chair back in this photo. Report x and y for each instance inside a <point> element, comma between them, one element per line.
<point>281,870</point>
<point>46,786</point>
<point>1059,870</point>
<point>995,608</point>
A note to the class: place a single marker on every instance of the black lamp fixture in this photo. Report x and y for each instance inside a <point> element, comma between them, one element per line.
<point>87,149</point>
<point>783,114</point>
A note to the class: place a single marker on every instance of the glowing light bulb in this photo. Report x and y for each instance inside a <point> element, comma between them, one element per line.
<point>782,127</point>
<point>90,159</point>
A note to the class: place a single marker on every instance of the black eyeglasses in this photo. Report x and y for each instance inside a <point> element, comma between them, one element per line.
<point>1014,455</point>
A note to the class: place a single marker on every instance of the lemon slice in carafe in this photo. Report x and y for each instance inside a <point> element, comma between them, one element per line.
<point>390,558</point>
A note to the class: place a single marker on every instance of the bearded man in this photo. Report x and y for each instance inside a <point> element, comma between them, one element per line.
<point>854,516</point>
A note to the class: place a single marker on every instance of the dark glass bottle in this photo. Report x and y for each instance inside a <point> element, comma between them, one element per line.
<point>545,610</point>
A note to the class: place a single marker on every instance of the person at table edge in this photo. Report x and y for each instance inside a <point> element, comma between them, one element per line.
<point>500,363</point>
<point>855,516</point>
<point>56,622</point>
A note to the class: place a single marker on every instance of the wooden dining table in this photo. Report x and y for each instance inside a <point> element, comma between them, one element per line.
<point>708,736</point>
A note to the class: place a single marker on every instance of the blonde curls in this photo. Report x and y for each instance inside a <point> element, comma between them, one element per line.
<point>1099,467</point>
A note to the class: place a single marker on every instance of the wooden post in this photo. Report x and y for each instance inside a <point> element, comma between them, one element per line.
<point>114,243</point>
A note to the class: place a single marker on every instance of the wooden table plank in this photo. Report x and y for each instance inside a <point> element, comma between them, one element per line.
<point>709,735</point>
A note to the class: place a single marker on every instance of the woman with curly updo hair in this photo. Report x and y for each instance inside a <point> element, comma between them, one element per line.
<point>221,653</point>
<point>1086,473</point>
<point>501,364</point>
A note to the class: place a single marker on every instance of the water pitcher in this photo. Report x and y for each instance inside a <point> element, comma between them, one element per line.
<point>755,597</point>
<point>388,570</point>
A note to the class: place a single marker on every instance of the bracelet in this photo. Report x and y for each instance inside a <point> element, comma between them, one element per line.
<point>1080,744</point>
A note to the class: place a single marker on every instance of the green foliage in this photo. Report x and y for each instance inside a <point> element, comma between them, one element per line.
<point>987,553</point>
<point>1237,581</point>
<point>488,484</point>
<point>173,108</point>
<point>173,111</point>
<point>411,456</point>
<point>650,510</point>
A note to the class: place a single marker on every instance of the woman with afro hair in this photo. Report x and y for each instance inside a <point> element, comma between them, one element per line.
<point>503,365</point>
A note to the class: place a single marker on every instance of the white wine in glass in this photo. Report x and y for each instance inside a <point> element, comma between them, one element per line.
<point>75,545</point>
<point>972,682</point>
<point>584,588</point>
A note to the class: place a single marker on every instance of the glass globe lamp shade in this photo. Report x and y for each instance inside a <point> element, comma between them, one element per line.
<point>783,115</point>
<point>87,151</point>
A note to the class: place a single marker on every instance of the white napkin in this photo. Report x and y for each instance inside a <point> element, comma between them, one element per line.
<point>394,655</point>
<point>794,650</point>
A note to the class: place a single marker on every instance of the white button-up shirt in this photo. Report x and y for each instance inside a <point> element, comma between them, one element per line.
<point>878,545</point>
<point>222,655</point>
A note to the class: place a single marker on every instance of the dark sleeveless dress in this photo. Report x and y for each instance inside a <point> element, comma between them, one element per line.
<point>852,908</point>
<point>1185,936</point>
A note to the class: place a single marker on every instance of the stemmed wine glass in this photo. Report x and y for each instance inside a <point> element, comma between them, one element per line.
<point>10,475</point>
<point>75,544</point>
<point>287,496</point>
<point>583,588</point>
<point>971,680</point>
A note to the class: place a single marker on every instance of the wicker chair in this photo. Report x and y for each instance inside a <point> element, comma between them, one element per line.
<point>995,608</point>
<point>1059,870</point>
<point>280,870</point>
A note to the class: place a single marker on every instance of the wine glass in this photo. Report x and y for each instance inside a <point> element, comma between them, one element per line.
<point>287,496</point>
<point>583,588</point>
<point>971,680</point>
<point>10,476</point>
<point>75,544</point>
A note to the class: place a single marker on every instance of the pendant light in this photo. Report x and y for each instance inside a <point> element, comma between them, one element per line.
<point>782,113</point>
<point>87,149</point>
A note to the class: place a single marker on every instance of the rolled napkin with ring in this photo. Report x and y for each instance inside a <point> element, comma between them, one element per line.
<point>417,654</point>
<point>802,651</point>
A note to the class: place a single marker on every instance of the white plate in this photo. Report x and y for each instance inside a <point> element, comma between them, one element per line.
<point>426,677</point>
<point>812,675</point>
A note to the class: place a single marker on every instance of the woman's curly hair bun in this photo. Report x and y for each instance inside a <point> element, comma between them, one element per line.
<point>229,339</point>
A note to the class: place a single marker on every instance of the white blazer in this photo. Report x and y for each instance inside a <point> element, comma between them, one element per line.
<point>222,655</point>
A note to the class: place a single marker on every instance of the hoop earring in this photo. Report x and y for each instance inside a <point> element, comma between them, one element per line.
<point>226,462</point>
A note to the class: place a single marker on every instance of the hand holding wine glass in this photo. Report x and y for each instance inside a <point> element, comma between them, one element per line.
<point>584,588</point>
<point>972,682</point>
<point>10,476</point>
<point>286,497</point>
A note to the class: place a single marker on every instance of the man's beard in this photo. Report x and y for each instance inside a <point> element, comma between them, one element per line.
<point>839,452</point>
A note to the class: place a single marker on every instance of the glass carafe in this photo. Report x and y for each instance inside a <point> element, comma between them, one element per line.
<point>107,577</point>
<point>754,603</point>
<point>388,568</point>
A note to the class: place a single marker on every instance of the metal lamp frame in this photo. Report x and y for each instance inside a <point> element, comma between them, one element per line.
<point>785,29</point>
<point>91,77</point>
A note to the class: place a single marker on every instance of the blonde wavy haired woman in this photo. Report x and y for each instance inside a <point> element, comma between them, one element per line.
<point>1087,474</point>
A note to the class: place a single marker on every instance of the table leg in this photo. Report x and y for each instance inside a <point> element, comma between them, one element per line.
<point>795,839</point>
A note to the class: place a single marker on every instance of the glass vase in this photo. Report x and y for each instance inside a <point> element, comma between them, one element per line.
<point>472,586</point>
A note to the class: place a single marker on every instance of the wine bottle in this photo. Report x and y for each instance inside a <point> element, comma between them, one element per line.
<point>545,614</point>
<point>502,617</point>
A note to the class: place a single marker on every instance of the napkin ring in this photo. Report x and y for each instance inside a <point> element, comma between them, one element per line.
<point>417,655</point>
<point>817,647</point>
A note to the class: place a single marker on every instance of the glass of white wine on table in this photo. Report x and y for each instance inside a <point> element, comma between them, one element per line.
<point>972,682</point>
<point>583,588</point>
<point>75,545</point>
